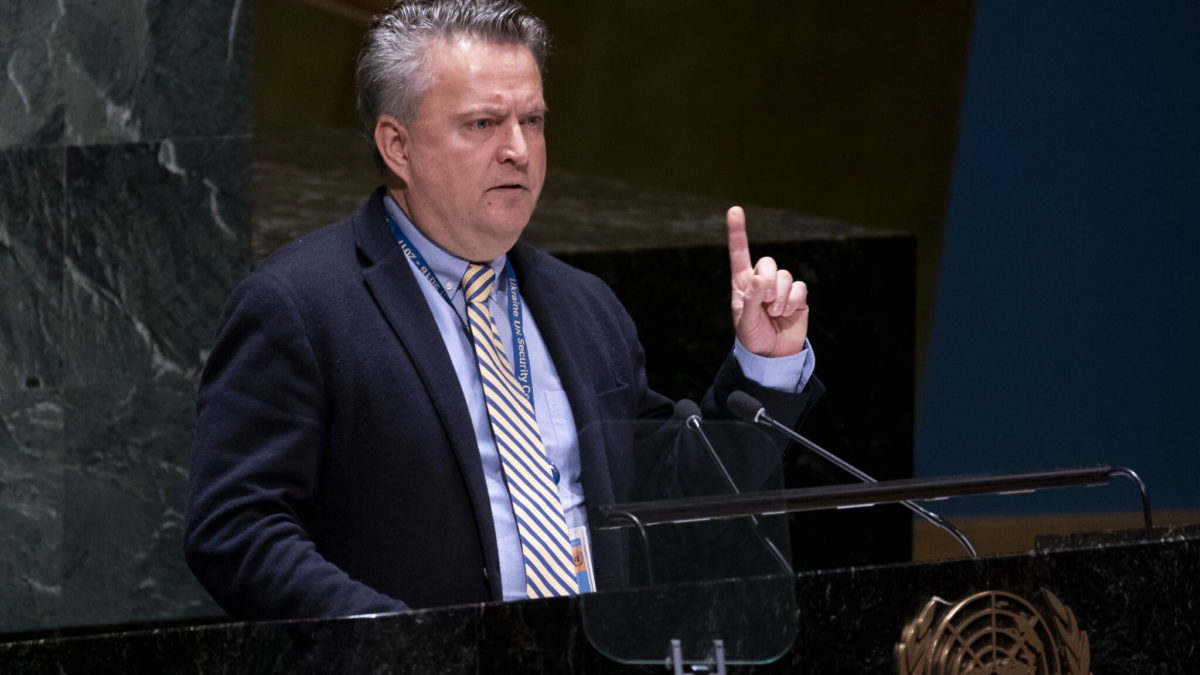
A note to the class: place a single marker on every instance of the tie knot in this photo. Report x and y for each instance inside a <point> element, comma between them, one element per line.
<point>477,282</point>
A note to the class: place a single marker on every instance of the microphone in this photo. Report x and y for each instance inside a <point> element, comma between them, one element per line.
<point>690,413</point>
<point>751,409</point>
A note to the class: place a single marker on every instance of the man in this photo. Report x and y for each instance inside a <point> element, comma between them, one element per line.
<point>388,418</point>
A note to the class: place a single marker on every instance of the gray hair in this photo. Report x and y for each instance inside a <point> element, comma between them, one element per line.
<point>392,72</point>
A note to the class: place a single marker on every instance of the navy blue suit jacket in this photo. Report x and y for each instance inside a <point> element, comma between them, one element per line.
<point>335,470</point>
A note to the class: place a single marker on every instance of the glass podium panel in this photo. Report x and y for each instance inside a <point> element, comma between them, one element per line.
<point>671,568</point>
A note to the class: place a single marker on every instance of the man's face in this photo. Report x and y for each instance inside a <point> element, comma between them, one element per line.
<point>476,149</point>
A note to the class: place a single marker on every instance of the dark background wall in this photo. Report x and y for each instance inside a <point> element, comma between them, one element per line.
<point>1066,328</point>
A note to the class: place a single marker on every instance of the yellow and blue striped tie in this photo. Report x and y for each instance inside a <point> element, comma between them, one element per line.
<point>545,545</point>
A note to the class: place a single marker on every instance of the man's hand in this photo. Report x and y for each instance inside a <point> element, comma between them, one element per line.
<point>770,310</point>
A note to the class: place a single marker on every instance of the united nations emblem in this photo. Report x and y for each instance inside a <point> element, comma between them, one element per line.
<point>994,633</point>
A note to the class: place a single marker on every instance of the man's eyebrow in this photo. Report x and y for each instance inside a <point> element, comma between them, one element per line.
<point>499,110</point>
<point>488,110</point>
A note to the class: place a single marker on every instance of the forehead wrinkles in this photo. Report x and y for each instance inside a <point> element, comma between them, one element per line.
<point>474,64</point>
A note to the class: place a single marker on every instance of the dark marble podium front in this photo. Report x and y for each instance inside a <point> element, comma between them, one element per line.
<point>1136,601</point>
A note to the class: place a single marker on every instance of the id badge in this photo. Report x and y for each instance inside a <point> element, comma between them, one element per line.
<point>581,555</point>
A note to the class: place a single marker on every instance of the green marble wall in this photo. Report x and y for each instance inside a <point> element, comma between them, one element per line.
<point>124,222</point>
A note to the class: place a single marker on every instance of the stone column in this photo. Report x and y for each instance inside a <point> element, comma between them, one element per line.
<point>125,132</point>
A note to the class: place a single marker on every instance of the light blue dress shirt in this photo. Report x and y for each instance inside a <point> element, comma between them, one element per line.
<point>555,420</point>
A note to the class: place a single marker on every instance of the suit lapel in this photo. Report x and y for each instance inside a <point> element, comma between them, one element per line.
<point>390,281</point>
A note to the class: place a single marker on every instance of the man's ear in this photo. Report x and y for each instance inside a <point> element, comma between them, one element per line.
<point>392,142</point>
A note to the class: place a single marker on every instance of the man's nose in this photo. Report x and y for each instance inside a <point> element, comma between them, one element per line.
<point>513,145</point>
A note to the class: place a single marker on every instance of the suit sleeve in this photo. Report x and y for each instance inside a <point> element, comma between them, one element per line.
<point>260,439</point>
<point>787,407</point>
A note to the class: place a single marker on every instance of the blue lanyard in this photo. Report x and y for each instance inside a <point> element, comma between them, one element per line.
<point>520,364</point>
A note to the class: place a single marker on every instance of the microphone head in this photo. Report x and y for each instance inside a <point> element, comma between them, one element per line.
<point>686,408</point>
<point>744,405</point>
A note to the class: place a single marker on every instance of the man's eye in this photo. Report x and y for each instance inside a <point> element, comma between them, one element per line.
<point>480,124</point>
<point>535,120</point>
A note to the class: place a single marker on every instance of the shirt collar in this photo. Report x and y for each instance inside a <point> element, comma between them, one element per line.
<point>448,267</point>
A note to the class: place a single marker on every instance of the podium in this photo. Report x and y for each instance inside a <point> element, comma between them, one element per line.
<point>1136,599</point>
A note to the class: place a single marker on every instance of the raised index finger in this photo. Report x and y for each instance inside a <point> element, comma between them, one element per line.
<point>739,244</point>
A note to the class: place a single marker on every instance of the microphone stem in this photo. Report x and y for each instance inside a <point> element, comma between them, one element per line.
<point>693,423</point>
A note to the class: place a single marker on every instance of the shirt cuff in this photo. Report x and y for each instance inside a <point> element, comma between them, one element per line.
<point>783,373</point>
